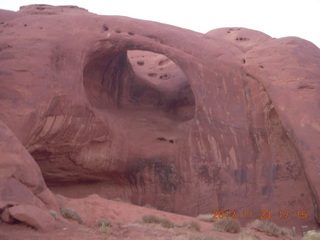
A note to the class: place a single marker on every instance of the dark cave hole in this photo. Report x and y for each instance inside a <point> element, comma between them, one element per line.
<point>105,28</point>
<point>122,80</point>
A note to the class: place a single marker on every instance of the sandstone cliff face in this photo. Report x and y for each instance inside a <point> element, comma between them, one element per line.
<point>160,115</point>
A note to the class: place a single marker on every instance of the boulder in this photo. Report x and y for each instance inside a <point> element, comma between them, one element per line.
<point>34,216</point>
<point>21,181</point>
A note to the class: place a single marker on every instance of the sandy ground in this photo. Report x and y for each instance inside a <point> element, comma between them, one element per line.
<point>126,224</point>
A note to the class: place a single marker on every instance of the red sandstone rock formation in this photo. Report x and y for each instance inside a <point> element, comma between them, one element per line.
<point>227,120</point>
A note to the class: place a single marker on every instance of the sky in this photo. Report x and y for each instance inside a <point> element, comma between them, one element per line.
<point>277,18</point>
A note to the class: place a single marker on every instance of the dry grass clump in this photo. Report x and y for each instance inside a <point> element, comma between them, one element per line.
<point>104,225</point>
<point>166,223</point>
<point>311,235</point>
<point>192,225</point>
<point>71,214</point>
<point>248,236</point>
<point>206,217</point>
<point>54,214</point>
<point>104,222</point>
<point>150,219</point>
<point>104,229</point>
<point>270,228</point>
<point>227,225</point>
<point>197,237</point>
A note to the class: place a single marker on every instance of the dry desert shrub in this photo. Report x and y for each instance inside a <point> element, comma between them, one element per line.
<point>104,229</point>
<point>166,223</point>
<point>192,225</point>
<point>104,222</point>
<point>197,237</point>
<point>270,228</point>
<point>54,214</point>
<point>311,235</point>
<point>227,225</point>
<point>248,236</point>
<point>150,219</point>
<point>71,214</point>
<point>157,220</point>
<point>205,217</point>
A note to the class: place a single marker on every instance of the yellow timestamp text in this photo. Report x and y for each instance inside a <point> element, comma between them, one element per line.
<point>263,214</point>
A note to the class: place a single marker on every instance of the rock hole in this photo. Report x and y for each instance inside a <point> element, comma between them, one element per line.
<point>152,74</point>
<point>25,25</point>
<point>171,141</point>
<point>164,76</point>
<point>161,139</point>
<point>41,8</point>
<point>131,33</point>
<point>118,31</point>
<point>105,28</point>
<point>130,79</point>
<point>155,38</point>
<point>234,29</point>
<point>261,66</point>
<point>306,87</point>
<point>242,39</point>
<point>163,62</point>
<point>244,61</point>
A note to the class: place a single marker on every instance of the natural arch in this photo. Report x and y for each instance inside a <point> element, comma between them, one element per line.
<point>138,80</point>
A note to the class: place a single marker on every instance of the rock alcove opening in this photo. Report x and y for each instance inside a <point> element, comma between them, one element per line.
<point>139,80</point>
<point>150,102</point>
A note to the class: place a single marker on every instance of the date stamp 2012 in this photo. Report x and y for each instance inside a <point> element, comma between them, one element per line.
<point>263,214</point>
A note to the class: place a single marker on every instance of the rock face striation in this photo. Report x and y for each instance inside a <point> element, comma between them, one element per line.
<point>155,114</point>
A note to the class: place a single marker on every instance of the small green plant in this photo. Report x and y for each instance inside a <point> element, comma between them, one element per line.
<point>270,228</point>
<point>206,217</point>
<point>227,225</point>
<point>71,214</point>
<point>312,235</point>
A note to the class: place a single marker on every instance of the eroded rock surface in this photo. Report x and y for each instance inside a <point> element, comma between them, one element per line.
<point>160,115</point>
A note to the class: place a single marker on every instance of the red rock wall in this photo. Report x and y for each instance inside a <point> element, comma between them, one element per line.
<point>235,130</point>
